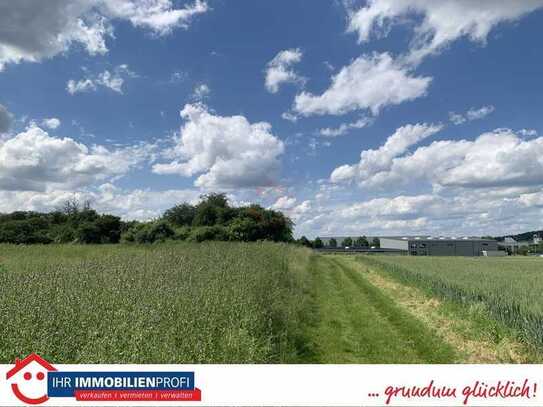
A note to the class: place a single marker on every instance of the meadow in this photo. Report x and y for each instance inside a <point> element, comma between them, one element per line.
<point>508,288</point>
<point>168,303</point>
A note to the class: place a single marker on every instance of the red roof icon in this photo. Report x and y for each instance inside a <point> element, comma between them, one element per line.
<point>19,364</point>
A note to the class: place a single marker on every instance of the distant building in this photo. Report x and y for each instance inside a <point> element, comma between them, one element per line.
<point>440,246</point>
<point>513,246</point>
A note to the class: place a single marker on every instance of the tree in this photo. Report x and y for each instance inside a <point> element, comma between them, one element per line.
<point>523,250</point>
<point>89,233</point>
<point>361,241</point>
<point>318,244</point>
<point>376,242</point>
<point>332,243</point>
<point>304,241</point>
<point>70,206</point>
<point>109,227</point>
<point>347,242</point>
<point>180,215</point>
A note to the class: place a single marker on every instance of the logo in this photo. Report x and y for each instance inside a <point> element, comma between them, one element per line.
<point>34,381</point>
<point>28,379</point>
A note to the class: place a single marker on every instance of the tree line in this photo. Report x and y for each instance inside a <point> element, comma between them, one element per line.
<point>360,242</point>
<point>211,219</point>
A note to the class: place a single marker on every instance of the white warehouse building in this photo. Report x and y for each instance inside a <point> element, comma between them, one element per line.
<point>440,246</point>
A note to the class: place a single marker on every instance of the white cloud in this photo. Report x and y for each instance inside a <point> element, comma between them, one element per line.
<point>227,152</point>
<point>284,203</point>
<point>201,92</point>
<point>498,159</point>
<point>34,161</point>
<point>493,211</point>
<point>279,69</point>
<point>471,114</point>
<point>290,117</point>
<point>136,204</point>
<point>51,123</point>
<point>375,162</point>
<point>160,16</point>
<point>344,128</point>
<point>527,132</point>
<point>34,30</point>
<point>370,82</point>
<point>5,119</point>
<point>112,80</point>
<point>442,21</point>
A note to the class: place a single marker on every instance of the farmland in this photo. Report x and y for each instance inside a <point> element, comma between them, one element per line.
<point>216,302</point>
<point>219,302</point>
<point>508,288</point>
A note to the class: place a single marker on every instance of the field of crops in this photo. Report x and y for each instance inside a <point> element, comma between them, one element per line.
<point>509,288</point>
<point>214,303</point>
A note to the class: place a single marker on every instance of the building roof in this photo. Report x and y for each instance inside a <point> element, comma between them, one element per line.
<point>438,238</point>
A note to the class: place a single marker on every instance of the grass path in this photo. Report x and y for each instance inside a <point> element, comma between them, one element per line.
<point>358,323</point>
<point>468,328</point>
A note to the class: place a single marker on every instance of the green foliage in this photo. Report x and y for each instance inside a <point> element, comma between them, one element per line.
<point>78,223</point>
<point>151,232</point>
<point>180,215</point>
<point>376,242</point>
<point>318,244</point>
<point>88,232</point>
<point>523,250</point>
<point>75,224</point>
<point>205,233</point>
<point>361,241</point>
<point>509,288</point>
<point>347,242</point>
<point>184,303</point>
<point>332,243</point>
<point>304,241</point>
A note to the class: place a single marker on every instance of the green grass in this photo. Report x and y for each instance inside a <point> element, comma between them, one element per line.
<point>238,303</point>
<point>508,289</point>
<point>357,323</point>
<point>179,303</point>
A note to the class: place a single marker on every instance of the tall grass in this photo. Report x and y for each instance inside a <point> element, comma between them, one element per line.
<point>509,288</point>
<point>178,303</point>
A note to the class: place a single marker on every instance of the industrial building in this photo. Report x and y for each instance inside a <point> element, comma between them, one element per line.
<point>441,246</point>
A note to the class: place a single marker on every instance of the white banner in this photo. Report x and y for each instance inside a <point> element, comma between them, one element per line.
<point>35,381</point>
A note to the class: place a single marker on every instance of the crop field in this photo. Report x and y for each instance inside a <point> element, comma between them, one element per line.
<point>509,288</point>
<point>227,302</point>
<point>216,302</point>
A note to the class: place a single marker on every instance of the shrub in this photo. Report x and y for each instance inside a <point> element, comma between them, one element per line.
<point>204,233</point>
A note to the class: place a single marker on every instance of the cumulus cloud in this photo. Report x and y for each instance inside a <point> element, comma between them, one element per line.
<point>5,119</point>
<point>279,69</point>
<point>344,128</point>
<point>375,162</point>
<point>129,204</point>
<point>51,123</point>
<point>442,21</point>
<point>35,161</point>
<point>370,82</point>
<point>471,114</point>
<point>34,30</point>
<point>113,80</point>
<point>498,159</point>
<point>226,152</point>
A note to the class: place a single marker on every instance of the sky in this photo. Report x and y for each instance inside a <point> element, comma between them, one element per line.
<point>380,117</point>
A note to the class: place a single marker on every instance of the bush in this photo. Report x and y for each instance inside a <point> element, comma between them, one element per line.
<point>89,233</point>
<point>205,233</point>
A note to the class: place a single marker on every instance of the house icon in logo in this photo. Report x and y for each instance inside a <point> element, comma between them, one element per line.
<point>28,379</point>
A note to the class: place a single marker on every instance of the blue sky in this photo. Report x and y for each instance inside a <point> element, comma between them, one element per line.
<point>353,117</point>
